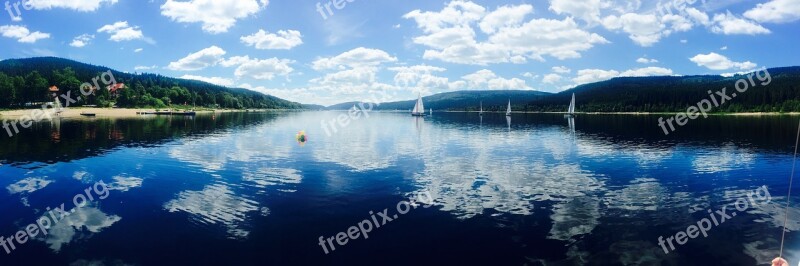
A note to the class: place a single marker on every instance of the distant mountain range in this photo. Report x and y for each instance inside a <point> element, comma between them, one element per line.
<point>627,94</point>
<point>677,93</point>
<point>460,100</point>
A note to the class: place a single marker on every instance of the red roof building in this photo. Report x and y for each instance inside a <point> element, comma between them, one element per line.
<point>115,89</point>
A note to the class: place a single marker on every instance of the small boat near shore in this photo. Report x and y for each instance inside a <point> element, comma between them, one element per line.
<point>190,113</point>
<point>89,114</point>
<point>185,113</point>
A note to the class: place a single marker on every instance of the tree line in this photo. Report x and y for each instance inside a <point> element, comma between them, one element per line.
<point>675,94</point>
<point>25,82</point>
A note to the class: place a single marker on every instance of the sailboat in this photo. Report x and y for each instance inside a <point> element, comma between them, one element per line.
<point>419,108</point>
<point>571,110</point>
<point>508,111</point>
<point>431,111</point>
<point>480,113</point>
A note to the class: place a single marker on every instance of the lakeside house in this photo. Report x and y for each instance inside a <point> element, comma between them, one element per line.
<point>115,89</point>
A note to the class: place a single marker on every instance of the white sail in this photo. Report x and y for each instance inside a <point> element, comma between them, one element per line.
<point>508,111</point>
<point>419,108</point>
<point>481,111</point>
<point>571,109</point>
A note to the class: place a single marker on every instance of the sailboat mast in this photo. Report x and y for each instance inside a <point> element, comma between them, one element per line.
<point>572,105</point>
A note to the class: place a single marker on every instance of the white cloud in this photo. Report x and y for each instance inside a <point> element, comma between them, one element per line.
<point>213,80</point>
<point>644,60</point>
<point>588,10</point>
<point>138,50</point>
<point>594,75</point>
<point>724,48</point>
<point>698,16</point>
<point>459,13</point>
<point>676,24</point>
<point>775,11</point>
<point>284,40</point>
<point>504,16</point>
<point>647,72</point>
<point>486,79</point>
<point>684,41</point>
<point>562,39</point>
<point>349,81</point>
<point>561,69</point>
<point>530,75</point>
<point>145,67</point>
<point>120,31</point>
<point>551,78</point>
<point>22,34</point>
<point>450,36</point>
<point>198,60</point>
<point>255,68</point>
<point>217,16</point>
<point>419,75</point>
<point>81,41</point>
<point>234,61</point>
<point>645,30</point>
<point>79,5</point>
<point>358,57</point>
<point>716,61</point>
<point>729,24</point>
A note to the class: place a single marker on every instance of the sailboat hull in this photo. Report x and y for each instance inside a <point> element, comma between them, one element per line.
<point>415,114</point>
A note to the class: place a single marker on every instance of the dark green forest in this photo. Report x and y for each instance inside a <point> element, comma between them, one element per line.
<point>627,94</point>
<point>675,94</point>
<point>26,81</point>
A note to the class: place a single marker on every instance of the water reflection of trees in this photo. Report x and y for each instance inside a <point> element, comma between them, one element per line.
<point>62,139</point>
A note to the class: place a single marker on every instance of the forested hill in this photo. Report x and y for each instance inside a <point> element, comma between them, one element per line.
<point>461,100</point>
<point>27,80</point>
<point>629,94</point>
<point>675,94</point>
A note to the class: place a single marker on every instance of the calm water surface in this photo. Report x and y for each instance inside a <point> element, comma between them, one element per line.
<point>237,189</point>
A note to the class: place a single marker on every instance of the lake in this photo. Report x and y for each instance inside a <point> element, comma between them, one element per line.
<point>535,189</point>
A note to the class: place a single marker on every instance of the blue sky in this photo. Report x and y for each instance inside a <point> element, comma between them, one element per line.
<point>393,49</point>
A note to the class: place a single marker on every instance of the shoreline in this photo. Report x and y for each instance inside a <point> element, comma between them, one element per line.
<point>107,112</point>
<point>75,112</point>
<point>601,113</point>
